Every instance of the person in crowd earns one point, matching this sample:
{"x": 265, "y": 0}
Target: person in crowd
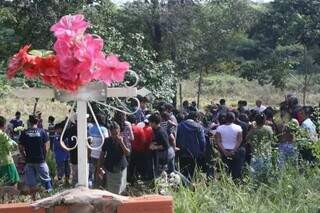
{"x": 259, "y": 107}
{"x": 229, "y": 138}
{"x": 170, "y": 127}
{"x": 185, "y": 107}
{"x": 141, "y": 112}
{"x": 40, "y": 121}
{"x": 148, "y": 135}
{"x": 51, "y": 130}
{"x": 96, "y": 141}
{"x": 160, "y": 146}
{"x": 287, "y": 153}
{"x": 137, "y": 156}
{"x": 71, "y": 141}
{"x": 113, "y": 158}
{"x": 8, "y": 172}
{"x": 13, "y": 124}
{"x": 222, "y": 107}
{"x": 61, "y": 155}
{"x": 270, "y": 120}
{"x": 34, "y": 144}
{"x": 169, "y": 109}
{"x": 193, "y": 107}
{"x": 260, "y": 138}
{"x": 307, "y": 124}
{"x": 191, "y": 142}
{"x": 125, "y": 128}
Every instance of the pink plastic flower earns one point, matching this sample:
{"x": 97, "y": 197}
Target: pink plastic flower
{"x": 70, "y": 25}
{"x": 111, "y": 69}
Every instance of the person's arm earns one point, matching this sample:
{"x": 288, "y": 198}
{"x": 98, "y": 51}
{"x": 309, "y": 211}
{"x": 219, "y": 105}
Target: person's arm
{"x": 172, "y": 140}
{"x": 239, "y": 141}
{"x": 219, "y": 143}
{"x": 202, "y": 140}
{"x": 125, "y": 149}
{"x": 101, "y": 159}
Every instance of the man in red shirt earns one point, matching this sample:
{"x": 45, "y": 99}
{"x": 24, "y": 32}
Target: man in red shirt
{"x": 137, "y": 165}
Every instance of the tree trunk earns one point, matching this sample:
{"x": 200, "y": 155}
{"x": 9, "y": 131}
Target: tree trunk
{"x": 199, "y": 87}
{"x": 180, "y": 95}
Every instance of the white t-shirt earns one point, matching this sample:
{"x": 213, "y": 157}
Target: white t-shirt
{"x": 96, "y": 139}
{"x": 260, "y": 109}
{"x": 229, "y": 135}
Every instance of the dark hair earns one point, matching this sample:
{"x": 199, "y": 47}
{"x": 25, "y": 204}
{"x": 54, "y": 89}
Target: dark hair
{"x": 51, "y": 118}
{"x": 132, "y": 119}
{"x": 260, "y": 119}
{"x": 33, "y": 120}
{"x": 185, "y": 103}
{"x": 165, "y": 116}
{"x": 120, "y": 118}
{"x": 169, "y": 107}
{"x": 193, "y": 115}
{"x": 101, "y": 119}
{"x": 59, "y": 125}
{"x": 222, "y": 118}
{"x": 268, "y": 113}
{"x": 155, "y": 118}
{"x": 222, "y": 101}
{"x": 244, "y": 118}
{"x": 2, "y": 121}
{"x": 180, "y": 117}
{"x": 114, "y": 125}
{"x": 230, "y": 117}
{"x": 18, "y": 113}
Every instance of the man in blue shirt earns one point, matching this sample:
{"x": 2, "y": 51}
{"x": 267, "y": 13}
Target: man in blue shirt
{"x": 34, "y": 144}
{"x": 191, "y": 142}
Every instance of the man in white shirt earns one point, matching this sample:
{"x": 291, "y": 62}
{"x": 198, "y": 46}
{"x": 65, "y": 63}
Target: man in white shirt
{"x": 259, "y": 107}
{"x": 229, "y": 138}
{"x": 308, "y": 125}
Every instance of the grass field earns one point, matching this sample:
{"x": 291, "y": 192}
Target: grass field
{"x": 232, "y": 88}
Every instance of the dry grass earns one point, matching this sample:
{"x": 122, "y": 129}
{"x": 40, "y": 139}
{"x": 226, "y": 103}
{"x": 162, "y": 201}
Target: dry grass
{"x": 9, "y": 105}
{"x": 233, "y": 89}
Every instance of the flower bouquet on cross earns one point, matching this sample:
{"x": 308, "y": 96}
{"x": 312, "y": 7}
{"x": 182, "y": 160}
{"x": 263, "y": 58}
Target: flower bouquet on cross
{"x": 77, "y": 58}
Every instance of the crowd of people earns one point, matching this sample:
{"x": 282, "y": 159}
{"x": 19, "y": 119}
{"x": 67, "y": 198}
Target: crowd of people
{"x": 158, "y": 138}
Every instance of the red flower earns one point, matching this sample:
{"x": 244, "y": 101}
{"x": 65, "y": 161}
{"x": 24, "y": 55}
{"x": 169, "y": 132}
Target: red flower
{"x": 18, "y": 61}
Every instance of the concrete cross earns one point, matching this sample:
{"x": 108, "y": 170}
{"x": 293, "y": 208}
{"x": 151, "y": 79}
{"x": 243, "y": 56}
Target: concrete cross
{"x": 94, "y": 91}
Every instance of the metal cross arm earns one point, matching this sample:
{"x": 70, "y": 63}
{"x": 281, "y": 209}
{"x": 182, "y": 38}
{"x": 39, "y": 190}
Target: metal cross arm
{"x": 92, "y": 92}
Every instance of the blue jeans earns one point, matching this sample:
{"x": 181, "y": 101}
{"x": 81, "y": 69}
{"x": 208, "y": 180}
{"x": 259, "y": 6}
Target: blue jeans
{"x": 63, "y": 169}
{"x": 260, "y": 167}
{"x": 36, "y": 171}
{"x": 287, "y": 154}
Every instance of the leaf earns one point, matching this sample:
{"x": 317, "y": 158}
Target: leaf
{"x": 41, "y": 53}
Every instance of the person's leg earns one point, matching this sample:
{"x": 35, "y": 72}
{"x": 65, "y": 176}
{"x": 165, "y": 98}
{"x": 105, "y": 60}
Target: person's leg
{"x": 123, "y": 183}
{"x": 74, "y": 168}
{"x": 60, "y": 169}
{"x": 187, "y": 166}
{"x": 132, "y": 168}
{"x": 237, "y": 164}
{"x": 44, "y": 175}
{"x": 66, "y": 171}
{"x": 30, "y": 178}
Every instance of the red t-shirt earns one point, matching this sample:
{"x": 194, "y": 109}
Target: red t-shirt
{"x": 139, "y": 142}
{"x": 148, "y": 134}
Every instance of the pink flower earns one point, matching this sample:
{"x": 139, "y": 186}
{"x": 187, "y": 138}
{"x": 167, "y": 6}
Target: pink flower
{"x": 70, "y": 25}
{"x": 111, "y": 69}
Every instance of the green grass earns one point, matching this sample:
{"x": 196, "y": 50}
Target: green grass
{"x": 290, "y": 191}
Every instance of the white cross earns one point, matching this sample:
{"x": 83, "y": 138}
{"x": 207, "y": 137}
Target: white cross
{"x": 94, "y": 91}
